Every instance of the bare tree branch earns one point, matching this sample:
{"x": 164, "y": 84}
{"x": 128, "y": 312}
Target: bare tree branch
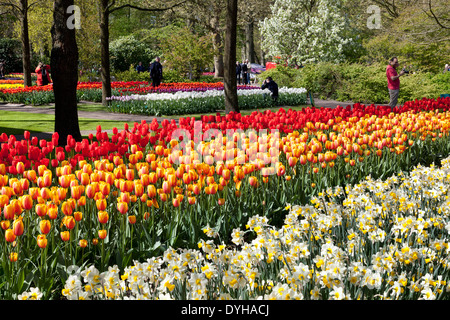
{"x": 434, "y": 16}
{"x": 143, "y": 8}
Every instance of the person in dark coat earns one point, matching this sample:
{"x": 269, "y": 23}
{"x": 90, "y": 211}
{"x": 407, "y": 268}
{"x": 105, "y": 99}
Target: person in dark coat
{"x": 244, "y": 72}
{"x": 272, "y": 86}
{"x": 156, "y": 73}
{"x": 238, "y": 72}
{"x": 140, "y": 68}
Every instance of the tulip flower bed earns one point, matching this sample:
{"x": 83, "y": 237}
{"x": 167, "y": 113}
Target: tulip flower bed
{"x": 110, "y": 201}
{"x": 201, "y": 101}
{"x": 41, "y": 95}
{"x": 91, "y": 91}
{"x": 388, "y": 240}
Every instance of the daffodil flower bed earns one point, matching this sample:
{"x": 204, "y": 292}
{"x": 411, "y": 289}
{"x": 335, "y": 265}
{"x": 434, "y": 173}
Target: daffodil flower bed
{"x": 387, "y": 240}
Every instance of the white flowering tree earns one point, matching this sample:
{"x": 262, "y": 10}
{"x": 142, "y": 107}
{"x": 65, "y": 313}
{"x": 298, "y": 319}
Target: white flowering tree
{"x": 305, "y": 31}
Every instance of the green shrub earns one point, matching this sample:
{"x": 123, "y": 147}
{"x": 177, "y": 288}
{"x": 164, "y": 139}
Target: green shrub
{"x": 283, "y": 76}
{"x": 127, "y": 51}
{"x": 131, "y": 75}
{"x": 358, "y": 82}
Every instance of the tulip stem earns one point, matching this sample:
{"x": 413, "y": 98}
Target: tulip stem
{"x": 103, "y": 256}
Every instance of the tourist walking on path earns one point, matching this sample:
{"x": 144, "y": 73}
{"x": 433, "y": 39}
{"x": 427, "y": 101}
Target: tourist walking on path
{"x": 43, "y": 74}
{"x": 393, "y": 81}
{"x": 156, "y": 72}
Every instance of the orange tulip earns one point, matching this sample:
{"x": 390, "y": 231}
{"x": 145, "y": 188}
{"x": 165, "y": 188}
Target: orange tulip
{"x": 75, "y": 192}
{"x": 163, "y": 197}
{"x": 18, "y": 226}
{"x": 78, "y": 215}
{"x": 41, "y": 241}
{"x": 66, "y": 208}
{"x": 175, "y": 202}
{"x": 13, "y": 256}
{"x": 105, "y": 188}
{"x": 124, "y": 197}
{"x": 253, "y": 181}
{"x": 8, "y": 212}
{"x": 45, "y": 226}
{"x": 4, "y": 200}
{"x": 138, "y": 189}
{"x": 27, "y": 202}
{"x": 9, "y": 235}
{"x": 101, "y": 204}
{"x": 52, "y": 211}
{"x": 5, "y": 224}
{"x": 151, "y": 191}
{"x": 65, "y": 235}
{"x": 90, "y": 191}
{"x": 166, "y": 187}
{"x": 122, "y": 207}
{"x": 69, "y": 222}
{"x": 15, "y": 203}
{"x": 132, "y": 219}
{"x": 83, "y": 243}
{"x": 82, "y": 201}
{"x": 103, "y": 217}
{"x": 102, "y": 234}
{"x": 129, "y": 174}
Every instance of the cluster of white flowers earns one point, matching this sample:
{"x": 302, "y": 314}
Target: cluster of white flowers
{"x": 33, "y": 294}
{"x": 310, "y": 35}
{"x": 376, "y": 240}
{"x": 202, "y": 94}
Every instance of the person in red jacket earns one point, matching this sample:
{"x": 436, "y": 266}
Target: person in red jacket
{"x": 43, "y": 74}
{"x": 393, "y": 81}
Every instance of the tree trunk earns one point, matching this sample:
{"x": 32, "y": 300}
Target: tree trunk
{"x": 218, "y": 57}
{"x": 249, "y": 42}
{"x": 263, "y": 54}
{"x": 230, "y": 83}
{"x": 25, "y": 39}
{"x": 104, "y": 43}
{"x": 64, "y": 67}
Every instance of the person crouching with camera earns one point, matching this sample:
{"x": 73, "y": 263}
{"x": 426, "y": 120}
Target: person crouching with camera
{"x": 272, "y": 86}
{"x": 43, "y": 74}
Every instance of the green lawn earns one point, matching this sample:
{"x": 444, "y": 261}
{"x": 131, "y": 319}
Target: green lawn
{"x": 18, "y": 122}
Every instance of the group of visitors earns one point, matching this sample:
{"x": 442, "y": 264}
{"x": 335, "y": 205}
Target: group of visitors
{"x": 155, "y": 70}
{"x": 243, "y": 72}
